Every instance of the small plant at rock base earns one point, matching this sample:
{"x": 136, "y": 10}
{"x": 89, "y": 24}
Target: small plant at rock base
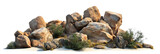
{"x": 132, "y": 38}
{"x": 56, "y": 30}
{"x": 11, "y": 45}
{"x": 75, "y": 44}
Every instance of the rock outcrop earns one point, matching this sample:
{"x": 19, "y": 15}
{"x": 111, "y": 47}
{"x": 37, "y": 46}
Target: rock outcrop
{"x": 77, "y": 32}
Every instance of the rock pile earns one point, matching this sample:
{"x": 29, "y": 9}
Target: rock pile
{"x": 91, "y": 26}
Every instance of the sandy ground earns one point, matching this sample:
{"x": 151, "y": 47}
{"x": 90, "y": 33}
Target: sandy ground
{"x": 63, "y": 50}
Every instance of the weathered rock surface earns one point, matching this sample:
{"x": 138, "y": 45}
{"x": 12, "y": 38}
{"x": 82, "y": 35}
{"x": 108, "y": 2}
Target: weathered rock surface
{"x": 18, "y": 33}
{"x": 80, "y": 24}
{"x": 70, "y": 28}
{"x": 73, "y": 17}
{"x": 37, "y": 23}
{"x": 93, "y": 13}
{"x": 111, "y": 45}
{"x": 56, "y": 22}
{"x": 147, "y": 46}
{"x": 100, "y": 47}
{"x": 22, "y": 41}
{"x": 81, "y": 36}
{"x": 97, "y": 31}
{"x": 49, "y": 45}
{"x": 41, "y": 34}
{"x": 28, "y": 30}
{"x": 58, "y": 42}
{"x": 35, "y": 43}
{"x": 114, "y": 20}
{"x": 120, "y": 42}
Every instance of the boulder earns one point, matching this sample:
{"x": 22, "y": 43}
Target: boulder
{"x": 70, "y": 28}
{"x": 100, "y": 47}
{"x": 35, "y": 43}
{"x": 147, "y": 46}
{"x": 81, "y": 36}
{"x": 80, "y": 24}
{"x": 58, "y": 42}
{"x": 111, "y": 45}
{"x": 120, "y": 42}
{"x": 41, "y": 34}
{"x": 56, "y": 22}
{"x": 93, "y": 13}
{"x": 49, "y": 45}
{"x": 114, "y": 20}
{"x": 22, "y": 41}
{"x": 72, "y": 18}
{"x": 28, "y": 30}
{"x": 37, "y": 23}
{"x": 98, "y": 31}
{"x": 18, "y": 33}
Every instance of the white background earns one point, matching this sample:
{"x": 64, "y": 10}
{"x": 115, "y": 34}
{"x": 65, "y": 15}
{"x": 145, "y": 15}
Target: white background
{"x": 142, "y": 15}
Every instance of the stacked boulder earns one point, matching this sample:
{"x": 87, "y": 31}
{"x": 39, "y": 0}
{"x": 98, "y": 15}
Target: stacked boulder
{"x": 91, "y": 26}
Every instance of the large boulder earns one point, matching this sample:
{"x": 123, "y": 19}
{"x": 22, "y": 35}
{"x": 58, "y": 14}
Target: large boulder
{"x": 41, "y": 34}
{"x": 98, "y": 31}
{"x": 80, "y": 24}
{"x": 22, "y": 41}
{"x": 37, "y": 23}
{"x": 114, "y": 20}
{"x": 93, "y": 13}
{"x": 72, "y": 18}
{"x": 70, "y": 28}
{"x": 81, "y": 36}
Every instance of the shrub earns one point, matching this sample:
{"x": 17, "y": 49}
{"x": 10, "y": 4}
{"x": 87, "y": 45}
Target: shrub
{"x": 56, "y": 30}
{"x": 132, "y": 38}
{"x": 11, "y": 45}
{"x": 75, "y": 44}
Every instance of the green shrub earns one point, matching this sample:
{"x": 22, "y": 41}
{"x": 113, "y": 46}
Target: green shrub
{"x": 56, "y": 30}
{"x": 75, "y": 44}
{"x": 132, "y": 38}
{"x": 11, "y": 45}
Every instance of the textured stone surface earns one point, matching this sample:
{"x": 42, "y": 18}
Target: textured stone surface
{"x": 114, "y": 20}
{"x": 37, "y": 23}
{"x": 80, "y": 24}
{"x": 95, "y": 31}
{"x": 93, "y": 13}
{"x": 70, "y": 28}
{"x": 42, "y": 34}
{"x": 22, "y": 41}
